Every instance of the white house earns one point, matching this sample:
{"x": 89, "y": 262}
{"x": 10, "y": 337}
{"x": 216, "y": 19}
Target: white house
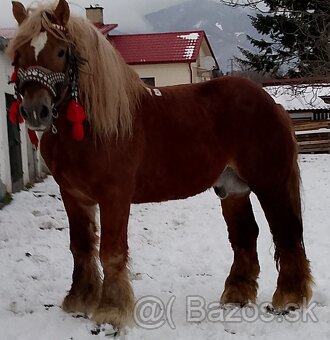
{"x": 19, "y": 162}
{"x": 169, "y": 58}
{"x": 162, "y": 59}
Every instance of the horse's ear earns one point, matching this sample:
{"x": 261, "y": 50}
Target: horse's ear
{"x": 62, "y": 12}
{"x": 19, "y": 12}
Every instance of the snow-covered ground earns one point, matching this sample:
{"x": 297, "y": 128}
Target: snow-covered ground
{"x": 180, "y": 259}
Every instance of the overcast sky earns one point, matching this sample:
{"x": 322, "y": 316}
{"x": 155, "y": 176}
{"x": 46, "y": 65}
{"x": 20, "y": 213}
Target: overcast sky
{"x": 127, "y": 13}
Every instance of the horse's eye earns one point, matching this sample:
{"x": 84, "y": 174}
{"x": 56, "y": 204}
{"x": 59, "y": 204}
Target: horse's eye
{"x": 61, "y": 53}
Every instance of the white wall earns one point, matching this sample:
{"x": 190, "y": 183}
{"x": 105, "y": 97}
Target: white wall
{"x": 4, "y": 149}
{"x": 165, "y": 74}
{"x": 5, "y": 72}
{"x": 200, "y": 73}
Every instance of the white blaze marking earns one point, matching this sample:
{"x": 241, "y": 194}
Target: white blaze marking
{"x": 39, "y": 43}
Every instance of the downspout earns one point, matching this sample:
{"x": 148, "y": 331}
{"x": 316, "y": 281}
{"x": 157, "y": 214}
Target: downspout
{"x": 191, "y": 73}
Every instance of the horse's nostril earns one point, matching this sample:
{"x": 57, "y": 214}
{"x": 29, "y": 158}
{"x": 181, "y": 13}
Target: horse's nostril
{"x": 44, "y": 112}
{"x": 23, "y": 112}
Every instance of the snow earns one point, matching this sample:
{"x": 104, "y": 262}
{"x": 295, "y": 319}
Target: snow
{"x": 192, "y": 41}
{"x": 323, "y": 130}
{"x": 178, "y": 249}
{"x": 199, "y": 24}
{"x": 192, "y": 36}
{"x": 219, "y": 26}
{"x": 238, "y": 34}
{"x": 300, "y": 97}
{"x": 189, "y": 52}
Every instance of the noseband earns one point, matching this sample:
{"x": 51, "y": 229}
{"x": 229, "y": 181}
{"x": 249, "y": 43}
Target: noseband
{"x": 45, "y": 78}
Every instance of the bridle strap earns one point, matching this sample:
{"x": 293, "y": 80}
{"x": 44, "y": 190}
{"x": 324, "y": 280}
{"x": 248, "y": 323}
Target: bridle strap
{"x": 71, "y": 79}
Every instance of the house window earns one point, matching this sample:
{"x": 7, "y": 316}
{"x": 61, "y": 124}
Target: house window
{"x": 149, "y": 81}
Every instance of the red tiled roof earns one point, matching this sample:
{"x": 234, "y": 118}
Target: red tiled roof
{"x": 159, "y": 47}
{"x": 7, "y": 33}
{"x": 105, "y": 28}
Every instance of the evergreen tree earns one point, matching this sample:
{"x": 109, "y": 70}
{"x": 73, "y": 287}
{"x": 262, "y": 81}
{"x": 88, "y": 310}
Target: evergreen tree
{"x": 296, "y": 42}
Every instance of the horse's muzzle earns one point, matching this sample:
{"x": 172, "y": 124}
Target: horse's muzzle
{"x": 39, "y": 88}
{"x": 37, "y": 114}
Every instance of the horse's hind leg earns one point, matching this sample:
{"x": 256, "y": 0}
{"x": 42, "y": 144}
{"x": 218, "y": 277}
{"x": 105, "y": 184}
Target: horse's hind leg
{"x": 85, "y": 291}
{"x": 241, "y": 284}
{"x": 281, "y": 204}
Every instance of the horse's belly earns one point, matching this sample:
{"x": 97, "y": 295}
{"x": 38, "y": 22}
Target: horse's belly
{"x": 177, "y": 180}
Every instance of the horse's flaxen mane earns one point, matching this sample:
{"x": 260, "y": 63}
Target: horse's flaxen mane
{"x": 109, "y": 89}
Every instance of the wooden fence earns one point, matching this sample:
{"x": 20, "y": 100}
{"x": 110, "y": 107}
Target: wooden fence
{"x": 313, "y": 136}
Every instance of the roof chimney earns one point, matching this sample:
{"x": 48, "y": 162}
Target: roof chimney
{"x": 95, "y": 14}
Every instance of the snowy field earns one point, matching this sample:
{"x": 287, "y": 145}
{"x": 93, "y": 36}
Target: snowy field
{"x": 180, "y": 257}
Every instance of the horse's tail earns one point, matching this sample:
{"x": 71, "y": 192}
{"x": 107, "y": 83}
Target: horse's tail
{"x": 293, "y": 181}
{"x": 294, "y": 178}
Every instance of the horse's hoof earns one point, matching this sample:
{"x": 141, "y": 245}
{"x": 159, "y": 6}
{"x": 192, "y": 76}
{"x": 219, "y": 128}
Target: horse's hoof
{"x": 117, "y": 317}
{"x": 272, "y": 310}
{"x": 75, "y": 304}
{"x": 239, "y": 295}
{"x": 289, "y": 301}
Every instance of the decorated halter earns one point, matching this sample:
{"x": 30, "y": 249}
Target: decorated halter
{"x": 48, "y": 79}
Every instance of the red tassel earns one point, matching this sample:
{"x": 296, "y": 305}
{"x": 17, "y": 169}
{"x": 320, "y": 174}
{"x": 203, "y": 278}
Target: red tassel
{"x": 78, "y": 132}
{"x": 14, "y": 77}
{"x": 76, "y": 115}
{"x": 33, "y": 138}
{"x": 14, "y": 116}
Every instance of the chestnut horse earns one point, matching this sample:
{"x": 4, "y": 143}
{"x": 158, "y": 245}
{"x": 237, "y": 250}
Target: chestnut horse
{"x": 142, "y": 144}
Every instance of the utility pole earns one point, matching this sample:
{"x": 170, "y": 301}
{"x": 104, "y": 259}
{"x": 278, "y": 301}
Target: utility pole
{"x": 231, "y": 65}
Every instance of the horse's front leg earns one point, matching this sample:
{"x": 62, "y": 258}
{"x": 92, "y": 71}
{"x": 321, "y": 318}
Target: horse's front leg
{"x": 117, "y": 300}
{"x": 85, "y": 291}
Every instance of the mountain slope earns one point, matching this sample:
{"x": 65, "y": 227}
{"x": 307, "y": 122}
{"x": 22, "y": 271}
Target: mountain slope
{"x": 226, "y": 27}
